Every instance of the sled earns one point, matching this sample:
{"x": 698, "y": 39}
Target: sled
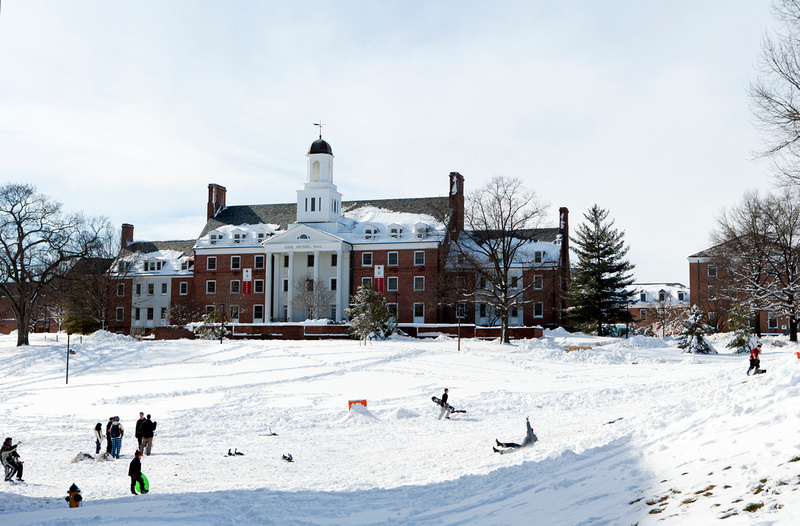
{"x": 438, "y": 401}
{"x": 139, "y": 489}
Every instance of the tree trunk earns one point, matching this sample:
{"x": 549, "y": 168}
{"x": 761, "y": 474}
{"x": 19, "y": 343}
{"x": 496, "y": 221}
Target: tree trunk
{"x": 23, "y": 323}
{"x": 793, "y": 329}
{"x": 504, "y": 328}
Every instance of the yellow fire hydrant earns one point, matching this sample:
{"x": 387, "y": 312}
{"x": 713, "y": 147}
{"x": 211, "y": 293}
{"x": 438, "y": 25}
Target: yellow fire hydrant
{"x": 74, "y": 498}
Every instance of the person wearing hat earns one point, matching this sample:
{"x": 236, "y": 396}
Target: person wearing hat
{"x": 135, "y": 472}
{"x": 116, "y": 432}
{"x": 755, "y": 361}
{"x": 8, "y": 457}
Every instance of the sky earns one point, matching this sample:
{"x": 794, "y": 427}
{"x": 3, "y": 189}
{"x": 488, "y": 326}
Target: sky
{"x": 129, "y": 110}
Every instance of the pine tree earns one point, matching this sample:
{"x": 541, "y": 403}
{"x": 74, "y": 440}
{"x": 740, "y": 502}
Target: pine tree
{"x": 739, "y": 324}
{"x": 212, "y": 327}
{"x": 692, "y": 338}
{"x": 369, "y": 315}
{"x": 597, "y": 292}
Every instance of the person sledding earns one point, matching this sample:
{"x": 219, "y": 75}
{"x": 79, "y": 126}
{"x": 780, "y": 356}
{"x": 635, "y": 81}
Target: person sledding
{"x": 135, "y": 473}
{"x": 508, "y": 447}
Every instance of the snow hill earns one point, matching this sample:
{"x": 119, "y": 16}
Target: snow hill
{"x": 630, "y": 431}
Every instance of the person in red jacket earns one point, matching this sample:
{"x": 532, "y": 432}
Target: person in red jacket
{"x": 755, "y": 362}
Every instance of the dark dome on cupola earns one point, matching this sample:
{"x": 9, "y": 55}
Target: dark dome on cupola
{"x": 320, "y": 146}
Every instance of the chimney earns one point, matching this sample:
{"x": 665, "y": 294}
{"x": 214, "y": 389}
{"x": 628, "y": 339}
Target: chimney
{"x": 456, "y": 201}
{"x": 216, "y": 199}
{"x": 563, "y": 230}
{"x": 127, "y": 236}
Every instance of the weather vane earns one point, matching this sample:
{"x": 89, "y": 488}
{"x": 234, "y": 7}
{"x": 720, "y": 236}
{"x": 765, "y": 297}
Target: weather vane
{"x": 320, "y": 124}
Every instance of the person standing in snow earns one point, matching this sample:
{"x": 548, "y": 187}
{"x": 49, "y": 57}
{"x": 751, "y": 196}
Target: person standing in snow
{"x": 530, "y": 438}
{"x": 445, "y": 412}
{"x": 108, "y": 434}
{"x": 8, "y": 457}
{"x": 138, "y": 432}
{"x": 98, "y": 437}
{"x": 116, "y": 432}
{"x": 148, "y": 430}
{"x": 135, "y": 472}
{"x": 755, "y": 362}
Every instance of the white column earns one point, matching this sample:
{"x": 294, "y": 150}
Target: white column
{"x": 339, "y": 284}
{"x": 290, "y": 294}
{"x": 268, "y": 284}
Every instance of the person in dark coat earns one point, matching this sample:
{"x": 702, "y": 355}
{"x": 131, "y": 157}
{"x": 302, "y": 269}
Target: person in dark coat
{"x": 98, "y": 437}
{"x": 446, "y": 408}
{"x": 108, "y": 434}
{"x": 135, "y": 473}
{"x": 148, "y": 430}
{"x": 10, "y": 459}
{"x": 138, "y": 433}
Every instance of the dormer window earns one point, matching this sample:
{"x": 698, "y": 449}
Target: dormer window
{"x": 237, "y": 238}
{"x": 213, "y": 238}
{"x": 681, "y": 295}
{"x": 303, "y": 236}
{"x": 395, "y": 231}
{"x": 261, "y": 236}
{"x": 643, "y": 296}
{"x": 662, "y": 296}
{"x": 421, "y": 230}
{"x": 370, "y": 232}
{"x": 154, "y": 265}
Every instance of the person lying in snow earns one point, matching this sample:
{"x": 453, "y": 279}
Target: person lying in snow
{"x": 530, "y": 438}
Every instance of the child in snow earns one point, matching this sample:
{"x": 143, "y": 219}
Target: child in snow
{"x": 530, "y": 438}
{"x": 135, "y": 472}
{"x": 10, "y": 459}
{"x": 755, "y": 362}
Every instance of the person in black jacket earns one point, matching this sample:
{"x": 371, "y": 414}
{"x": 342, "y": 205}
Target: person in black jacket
{"x": 138, "y": 433}
{"x": 446, "y": 408}
{"x": 148, "y": 430}
{"x": 135, "y": 473}
{"x": 108, "y": 434}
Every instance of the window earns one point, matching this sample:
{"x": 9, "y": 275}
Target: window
{"x": 164, "y": 313}
{"x": 150, "y": 313}
{"x": 419, "y": 257}
{"x": 310, "y": 260}
{"x": 772, "y": 322}
{"x": 333, "y": 284}
{"x": 235, "y": 286}
{"x": 712, "y": 270}
{"x": 309, "y": 285}
{"x": 138, "y": 289}
{"x": 183, "y": 288}
{"x": 261, "y": 236}
{"x": 642, "y": 296}
{"x": 258, "y": 286}
{"x": 393, "y": 257}
{"x": 233, "y": 313}
{"x": 211, "y": 263}
{"x": 237, "y": 238}
{"x": 681, "y": 295}
{"x": 369, "y": 233}
{"x": 120, "y": 313}
{"x": 514, "y": 312}
{"x": 163, "y": 288}
{"x": 419, "y": 282}
{"x": 334, "y": 259}
{"x": 482, "y": 310}
{"x": 392, "y": 309}
{"x": 124, "y": 266}
{"x": 210, "y": 309}
{"x": 712, "y": 292}
{"x": 236, "y": 262}
{"x": 285, "y": 285}
{"x": 213, "y": 238}
{"x": 514, "y": 282}
{"x": 185, "y": 264}
{"x": 366, "y": 259}
{"x": 333, "y": 311}
{"x": 120, "y": 289}
{"x": 461, "y": 310}
{"x": 366, "y": 281}
{"x": 481, "y": 282}
{"x": 151, "y": 288}
{"x": 259, "y": 262}
{"x": 211, "y": 287}
{"x": 538, "y": 256}
{"x": 642, "y": 314}
{"x": 538, "y": 310}
{"x": 391, "y": 283}
{"x": 137, "y": 314}
{"x": 395, "y": 231}
{"x": 662, "y": 296}
{"x": 258, "y": 313}
{"x": 152, "y": 266}
{"x": 285, "y": 261}
{"x": 419, "y": 312}
{"x": 538, "y": 282}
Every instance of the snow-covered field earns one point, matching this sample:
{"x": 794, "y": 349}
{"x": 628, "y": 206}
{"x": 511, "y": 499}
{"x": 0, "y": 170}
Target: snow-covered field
{"x": 631, "y": 431}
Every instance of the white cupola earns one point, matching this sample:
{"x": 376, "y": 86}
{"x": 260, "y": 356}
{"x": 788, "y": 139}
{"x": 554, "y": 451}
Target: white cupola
{"x": 319, "y": 201}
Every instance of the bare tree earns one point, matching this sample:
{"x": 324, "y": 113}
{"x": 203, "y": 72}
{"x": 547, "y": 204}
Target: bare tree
{"x": 498, "y": 219}
{"x": 667, "y": 312}
{"x": 312, "y": 297}
{"x": 38, "y": 244}
{"x": 775, "y": 96}
{"x": 760, "y": 242}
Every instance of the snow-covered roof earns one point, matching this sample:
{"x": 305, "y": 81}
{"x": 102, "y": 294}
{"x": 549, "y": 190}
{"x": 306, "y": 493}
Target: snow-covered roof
{"x": 675, "y": 292}
{"x": 244, "y": 234}
{"x": 371, "y": 224}
{"x": 155, "y": 258}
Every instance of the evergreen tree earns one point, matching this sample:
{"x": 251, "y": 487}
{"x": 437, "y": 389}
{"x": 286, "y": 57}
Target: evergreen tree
{"x": 369, "y": 315}
{"x": 692, "y": 338}
{"x": 739, "y": 324}
{"x": 597, "y": 292}
{"x": 212, "y": 327}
